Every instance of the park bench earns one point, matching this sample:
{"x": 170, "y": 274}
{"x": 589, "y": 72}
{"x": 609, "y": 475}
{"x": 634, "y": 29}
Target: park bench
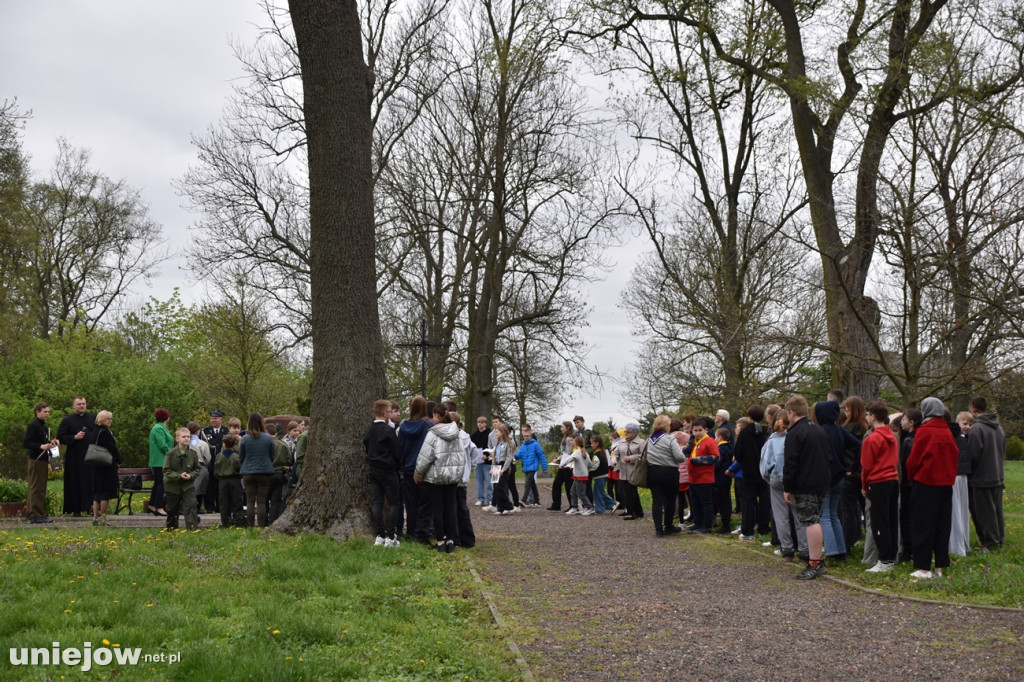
{"x": 145, "y": 473}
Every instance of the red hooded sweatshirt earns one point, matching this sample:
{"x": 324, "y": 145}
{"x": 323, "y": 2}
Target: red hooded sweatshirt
{"x": 879, "y": 457}
{"x": 933, "y": 459}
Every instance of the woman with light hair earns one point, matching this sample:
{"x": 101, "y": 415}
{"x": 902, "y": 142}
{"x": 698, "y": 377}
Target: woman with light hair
{"x": 104, "y": 478}
{"x": 663, "y": 458}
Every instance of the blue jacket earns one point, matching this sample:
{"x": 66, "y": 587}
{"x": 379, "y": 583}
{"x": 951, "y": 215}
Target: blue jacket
{"x": 532, "y": 455}
{"x": 410, "y": 436}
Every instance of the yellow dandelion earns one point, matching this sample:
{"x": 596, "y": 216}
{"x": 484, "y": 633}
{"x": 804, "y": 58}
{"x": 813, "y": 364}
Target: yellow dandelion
{"x": 287, "y": 658}
{"x": 149, "y": 606}
{"x": 116, "y": 645}
{"x": 277, "y": 632}
{"x": 300, "y": 660}
{"x": 106, "y": 642}
{"x": 67, "y": 610}
{"x": 116, "y": 602}
{"x": 72, "y": 601}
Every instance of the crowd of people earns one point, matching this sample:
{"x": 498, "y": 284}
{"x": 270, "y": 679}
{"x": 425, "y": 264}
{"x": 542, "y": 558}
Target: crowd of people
{"x": 195, "y": 469}
{"x": 813, "y": 480}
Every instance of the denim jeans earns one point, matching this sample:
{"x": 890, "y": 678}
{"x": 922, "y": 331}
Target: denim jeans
{"x": 484, "y": 487}
{"x": 602, "y": 500}
{"x": 832, "y": 523}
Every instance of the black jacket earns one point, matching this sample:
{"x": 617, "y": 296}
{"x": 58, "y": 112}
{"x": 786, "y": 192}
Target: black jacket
{"x": 748, "y": 450}
{"x": 382, "y": 448}
{"x": 807, "y": 452}
{"x": 35, "y": 435}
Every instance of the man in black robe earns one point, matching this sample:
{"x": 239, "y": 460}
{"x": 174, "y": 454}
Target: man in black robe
{"x": 75, "y": 432}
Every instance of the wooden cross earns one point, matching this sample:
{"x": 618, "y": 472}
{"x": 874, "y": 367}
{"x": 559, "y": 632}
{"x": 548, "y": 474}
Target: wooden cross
{"x": 423, "y": 345}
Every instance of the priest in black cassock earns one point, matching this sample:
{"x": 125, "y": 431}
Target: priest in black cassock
{"x": 75, "y": 431}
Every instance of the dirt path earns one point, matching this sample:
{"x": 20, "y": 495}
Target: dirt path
{"x": 599, "y": 598}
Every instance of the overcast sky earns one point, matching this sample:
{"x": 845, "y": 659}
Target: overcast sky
{"x": 132, "y": 81}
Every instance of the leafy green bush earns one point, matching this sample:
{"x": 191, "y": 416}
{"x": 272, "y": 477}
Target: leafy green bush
{"x": 13, "y": 490}
{"x": 1014, "y": 449}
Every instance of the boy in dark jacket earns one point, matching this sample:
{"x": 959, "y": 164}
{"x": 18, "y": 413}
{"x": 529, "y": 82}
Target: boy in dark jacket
{"x": 723, "y": 482}
{"x": 805, "y": 479}
{"x": 755, "y": 495}
{"x": 226, "y": 468}
{"x": 384, "y": 458}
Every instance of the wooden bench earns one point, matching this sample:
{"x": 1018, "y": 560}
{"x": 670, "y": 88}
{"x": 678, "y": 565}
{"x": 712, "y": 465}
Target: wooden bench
{"x": 147, "y": 475}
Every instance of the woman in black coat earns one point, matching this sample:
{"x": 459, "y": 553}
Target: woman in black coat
{"x": 104, "y": 478}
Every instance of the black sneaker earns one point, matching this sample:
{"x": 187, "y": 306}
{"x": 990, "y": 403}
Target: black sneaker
{"x": 812, "y": 572}
{"x": 40, "y": 519}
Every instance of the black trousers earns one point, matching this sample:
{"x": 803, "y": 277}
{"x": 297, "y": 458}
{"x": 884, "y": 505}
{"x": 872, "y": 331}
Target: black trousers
{"x": 755, "y": 506}
{"x": 722, "y": 499}
{"x": 702, "y": 508}
{"x": 384, "y": 487}
{"x": 884, "y": 498}
{"x": 563, "y": 479}
{"x": 211, "y": 500}
{"x": 500, "y": 496}
{"x": 156, "y": 496}
{"x": 633, "y": 504}
{"x": 664, "y": 484}
{"x": 513, "y": 489}
{"x": 275, "y": 497}
{"x": 851, "y": 510}
{"x": 931, "y": 519}
{"x": 418, "y": 516}
{"x": 905, "y": 503}
{"x": 444, "y": 510}
{"x": 230, "y": 502}
{"x": 466, "y": 537}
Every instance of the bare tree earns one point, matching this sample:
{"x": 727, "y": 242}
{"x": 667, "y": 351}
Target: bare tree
{"x": 953, "y": 221}
{"x": 714, "y": 297}
{"x": 249, "y": 183}
{"x": 846, "y": 72}
{"x": 89, "y": 239}
{"x": 348, "y": 364}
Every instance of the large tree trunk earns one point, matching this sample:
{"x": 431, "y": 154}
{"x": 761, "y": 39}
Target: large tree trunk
{"x": 348, "y": 366}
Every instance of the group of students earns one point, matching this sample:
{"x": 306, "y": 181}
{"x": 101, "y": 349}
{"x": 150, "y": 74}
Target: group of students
{"x": 255, "y": 471}
{"x": 812, "y": 480}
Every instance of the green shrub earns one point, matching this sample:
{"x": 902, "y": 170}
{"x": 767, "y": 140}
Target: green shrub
{"x": 1014, "y": 449}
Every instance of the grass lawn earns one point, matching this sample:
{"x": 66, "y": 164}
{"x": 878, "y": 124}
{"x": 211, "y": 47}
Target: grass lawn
{"x": 236, "y": 605}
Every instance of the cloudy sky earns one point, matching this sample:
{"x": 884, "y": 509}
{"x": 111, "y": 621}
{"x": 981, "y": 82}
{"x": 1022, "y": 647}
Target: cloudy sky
{"x": 132, "y": 81}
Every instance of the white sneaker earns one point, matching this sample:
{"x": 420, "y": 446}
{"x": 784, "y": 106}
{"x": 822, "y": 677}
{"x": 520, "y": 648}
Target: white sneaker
{"x": 922, "y": 575}
{"x": 737, "y": 531}
{"x": 880, "y": 567}
{"x": 514, "y": 510}
{"x": 616, "y": 506}
{"x": 392, "y": 542}
{"x": 686, "y": 516}
{"x": 572, "y": 511}
{"x": 766, "y": 544}
{"x": 478, "y": 504}
{"x": 490, "y": 508}
{"x": 378, "y": 542}
{"x": 587, "y": 512}
{"x": 777, "y": 552}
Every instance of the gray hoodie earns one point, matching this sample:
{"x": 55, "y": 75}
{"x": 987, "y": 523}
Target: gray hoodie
{"x": 986, "y": 446}
{"x": 442, "y": 459}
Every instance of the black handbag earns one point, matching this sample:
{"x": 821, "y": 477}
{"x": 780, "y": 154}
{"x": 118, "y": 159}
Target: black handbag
{"x": 97, "y": 455}
{"x": 131, "y": 482}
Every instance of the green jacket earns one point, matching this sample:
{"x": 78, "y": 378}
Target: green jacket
{"x": 175, "y": 465}
{"x": 160, "y": 441}
{"x": 300, "y": 453}
{"x": 282, "y": 456}
{"x": 227, "y": 465}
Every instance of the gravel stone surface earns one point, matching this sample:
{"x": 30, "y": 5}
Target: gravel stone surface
{"x": 600, "y": 598}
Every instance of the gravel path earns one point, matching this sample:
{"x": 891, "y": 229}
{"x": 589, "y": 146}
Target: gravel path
{"x": 599, "y": 598}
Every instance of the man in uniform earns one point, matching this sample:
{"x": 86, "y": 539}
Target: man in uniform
{"x": 75, "y": 432}
{"x": 213, "y": 435}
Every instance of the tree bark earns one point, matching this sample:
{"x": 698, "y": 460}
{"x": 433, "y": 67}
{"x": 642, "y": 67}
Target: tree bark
{"x": 348, "y": 367}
